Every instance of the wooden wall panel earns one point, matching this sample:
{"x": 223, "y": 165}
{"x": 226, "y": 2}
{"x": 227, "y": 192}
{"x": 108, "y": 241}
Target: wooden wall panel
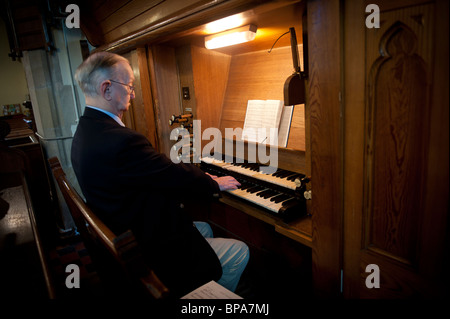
{"x": 150, "y": 13}
{"x": 146, "y": 118}
{"x": 260, "y": 76}
{"x": 25, "y": 26}
{"x": 399, "y": 60}
{"x": 396, "y": 151}
{"x": 165, "y": 92}
{"x": 117, "y": 17}
{"x": 109, "y": 21}
{"x": 141, "y": 116}
{"x": 129, "y": 117}
{"x": 186, "y": 75}
{"x": 354, "y": 140}
{"x": 435, "y": 261}
{"x": 211, "y": 71}
{"x": 205, "y": 73}
{"x": 324, "y": 41}
{"x": 398, "y": 127}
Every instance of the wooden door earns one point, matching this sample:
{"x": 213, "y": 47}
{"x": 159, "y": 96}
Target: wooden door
{"x": 396, "y": 150}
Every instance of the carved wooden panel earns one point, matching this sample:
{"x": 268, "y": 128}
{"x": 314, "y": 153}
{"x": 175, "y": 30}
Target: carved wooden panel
{"x": 396, "y": 150}
{"x": 397, "y": 125}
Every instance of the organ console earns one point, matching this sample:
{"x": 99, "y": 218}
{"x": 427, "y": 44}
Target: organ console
{"x": 280, "y": 193}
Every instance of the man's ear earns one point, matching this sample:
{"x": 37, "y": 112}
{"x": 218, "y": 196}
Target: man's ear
{"x": 105, "y": 90}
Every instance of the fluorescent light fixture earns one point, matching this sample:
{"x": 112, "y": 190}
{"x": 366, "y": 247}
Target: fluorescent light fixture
{"x": 231, "y": 37}
{"x": 230, "y": 22}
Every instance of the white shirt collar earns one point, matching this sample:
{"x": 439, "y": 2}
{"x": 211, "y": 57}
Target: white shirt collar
{"x": 113, "y": 116}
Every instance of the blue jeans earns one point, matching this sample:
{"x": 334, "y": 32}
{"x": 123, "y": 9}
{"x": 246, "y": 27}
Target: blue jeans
{"x": 233, "y": 255}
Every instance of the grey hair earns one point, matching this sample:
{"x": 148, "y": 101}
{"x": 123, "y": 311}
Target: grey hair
{"x": 96, "y": 68}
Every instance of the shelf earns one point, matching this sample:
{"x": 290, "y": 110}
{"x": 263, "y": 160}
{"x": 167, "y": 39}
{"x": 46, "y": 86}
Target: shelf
{"x": 299, "y": 230}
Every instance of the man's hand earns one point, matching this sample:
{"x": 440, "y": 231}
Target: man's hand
{"x": 226, "y": 182}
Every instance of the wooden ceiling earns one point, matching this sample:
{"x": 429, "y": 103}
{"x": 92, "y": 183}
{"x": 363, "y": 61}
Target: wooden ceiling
{"x": 271, "y": 24}
{"x": 119, "y": 25}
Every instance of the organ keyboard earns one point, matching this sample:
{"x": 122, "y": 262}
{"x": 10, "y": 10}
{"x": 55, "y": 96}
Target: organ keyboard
{"x": 280, "y": 193}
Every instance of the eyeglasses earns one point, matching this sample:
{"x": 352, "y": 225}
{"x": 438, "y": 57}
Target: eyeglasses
{"x": 130, "y": 86}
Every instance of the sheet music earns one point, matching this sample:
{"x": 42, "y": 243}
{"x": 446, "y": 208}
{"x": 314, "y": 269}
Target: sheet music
{"x": 285, "y": 125}
{"x": 261, "y": 116}
{"x": 211, "y": 290}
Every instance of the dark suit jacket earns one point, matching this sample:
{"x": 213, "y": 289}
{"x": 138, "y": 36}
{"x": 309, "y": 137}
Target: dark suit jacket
{"x": 132, "y": 186}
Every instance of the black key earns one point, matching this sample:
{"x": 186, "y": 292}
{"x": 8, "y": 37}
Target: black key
{"x": 271, "y": 193}
{"x": 285, "y": 174}
{"x": 254, "y": 189}
{"x": 279, "y": 198}
{"x": 282, "y": 198}
{"x": 246, "y": 185}
{"x": 290, "y": 201}
{"x": 263, "y": 193}
{"x": 278, "y": 172}
{"x": 293, "y": 177}
{"x": 289, "y": 205}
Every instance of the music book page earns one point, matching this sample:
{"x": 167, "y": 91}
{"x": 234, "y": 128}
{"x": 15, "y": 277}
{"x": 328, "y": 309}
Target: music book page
{"x": 262, "y": 120}
{"x": 211, "y": 290}
{"x": 285, "y": 125}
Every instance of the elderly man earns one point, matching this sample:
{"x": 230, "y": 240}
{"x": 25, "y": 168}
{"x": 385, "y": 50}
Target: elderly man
{"x": 131, "y": 186}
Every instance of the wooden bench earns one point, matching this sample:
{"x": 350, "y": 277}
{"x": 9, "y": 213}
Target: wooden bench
{"x": 24, "y": 270}
{"x": 127, "y": 265}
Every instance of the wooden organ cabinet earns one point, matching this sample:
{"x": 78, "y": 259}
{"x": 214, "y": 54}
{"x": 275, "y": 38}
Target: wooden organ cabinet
{"x": 373, "y": 135}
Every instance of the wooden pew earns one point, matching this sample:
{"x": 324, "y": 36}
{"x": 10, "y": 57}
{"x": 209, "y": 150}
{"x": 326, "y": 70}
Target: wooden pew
{"x": 21, "y": 246}
{"x": 126, "y": 267}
